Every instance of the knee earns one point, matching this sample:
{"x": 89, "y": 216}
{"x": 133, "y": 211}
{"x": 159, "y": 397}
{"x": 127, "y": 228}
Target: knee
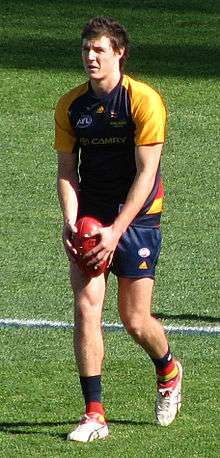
{"x": 135, "y": 324}
{"x": 87, "y": 313}
{"x": 81, "y": 312}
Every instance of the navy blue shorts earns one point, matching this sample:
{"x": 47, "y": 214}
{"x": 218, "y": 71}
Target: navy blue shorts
{"x": 137, "y": 252}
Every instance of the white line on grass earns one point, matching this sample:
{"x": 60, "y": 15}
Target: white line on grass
{"x": 189, "y": 330}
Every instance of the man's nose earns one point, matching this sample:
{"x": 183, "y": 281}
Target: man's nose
{"x": 91, "y": 54}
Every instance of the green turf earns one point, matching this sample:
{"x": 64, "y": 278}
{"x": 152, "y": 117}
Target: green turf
{"x": 41, "y": 402}
{"x": 174, "y": 47}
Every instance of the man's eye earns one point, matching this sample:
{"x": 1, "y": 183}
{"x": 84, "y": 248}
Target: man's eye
{"x": 96, "y": 50}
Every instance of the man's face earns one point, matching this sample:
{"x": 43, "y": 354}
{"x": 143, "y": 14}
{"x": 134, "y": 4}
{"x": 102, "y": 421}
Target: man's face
{"x": 99, "y": 58}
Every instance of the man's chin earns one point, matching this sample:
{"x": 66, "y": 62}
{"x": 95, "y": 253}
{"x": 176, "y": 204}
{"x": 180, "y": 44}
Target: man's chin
{"x": 94, "y": 74}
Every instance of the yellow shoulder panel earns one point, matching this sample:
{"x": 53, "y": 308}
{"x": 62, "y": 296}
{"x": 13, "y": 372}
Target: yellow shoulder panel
{"x": 148, "y": 112}
{"x": 65, "y": 139}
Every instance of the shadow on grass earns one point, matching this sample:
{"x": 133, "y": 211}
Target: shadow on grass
{"x": 188, "y": 316}
{"x": 17, "y": 428}
{"x": 180, "y": 52}
{"x": 152, "y": 59}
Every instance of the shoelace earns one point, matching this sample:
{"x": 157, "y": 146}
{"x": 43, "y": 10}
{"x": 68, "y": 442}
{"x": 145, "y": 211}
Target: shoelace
{"x": 86, "y": 418}
{"x": 166, "y": 388}
{"x": 165, "y": 392}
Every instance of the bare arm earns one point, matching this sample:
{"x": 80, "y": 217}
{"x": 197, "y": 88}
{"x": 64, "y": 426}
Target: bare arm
{"x": 147, "y": 162}
{"x": 67, "y": 185}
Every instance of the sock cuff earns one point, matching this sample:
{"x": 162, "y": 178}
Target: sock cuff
{"x": 161, "y": 363}
{"x": 91, "y": 388}
{"x": 95, "y": 407}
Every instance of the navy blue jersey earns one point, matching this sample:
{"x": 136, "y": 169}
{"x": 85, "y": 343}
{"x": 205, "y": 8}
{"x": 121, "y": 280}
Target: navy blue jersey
{"x": 103, "y": 132}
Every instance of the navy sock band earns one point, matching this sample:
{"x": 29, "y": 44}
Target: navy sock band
{"x": 161, "y": 363}
{"x": 91, "y": 388}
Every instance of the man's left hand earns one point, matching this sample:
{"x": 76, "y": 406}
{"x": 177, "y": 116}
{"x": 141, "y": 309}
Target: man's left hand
{"x": 104, "y": 251}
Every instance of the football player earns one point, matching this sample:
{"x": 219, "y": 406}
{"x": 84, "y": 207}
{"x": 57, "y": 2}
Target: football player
{"x": 109, "y": 137}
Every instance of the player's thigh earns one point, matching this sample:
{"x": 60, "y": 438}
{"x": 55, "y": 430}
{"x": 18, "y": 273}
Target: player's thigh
{"x": 87, "y": 291}
{"x": 135, "y": 297}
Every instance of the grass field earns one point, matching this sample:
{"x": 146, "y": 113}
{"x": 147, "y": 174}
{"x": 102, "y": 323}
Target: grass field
{"x": 174, "y": 47}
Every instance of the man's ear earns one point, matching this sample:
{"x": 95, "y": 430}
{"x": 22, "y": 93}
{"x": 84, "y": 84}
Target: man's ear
{"x": 121, "y": 52}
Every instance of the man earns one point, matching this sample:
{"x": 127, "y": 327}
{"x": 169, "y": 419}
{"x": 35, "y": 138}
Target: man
{"x": 109, "y": 137}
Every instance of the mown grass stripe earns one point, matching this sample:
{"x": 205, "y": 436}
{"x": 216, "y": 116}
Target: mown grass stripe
{"x": 187, "y": 330}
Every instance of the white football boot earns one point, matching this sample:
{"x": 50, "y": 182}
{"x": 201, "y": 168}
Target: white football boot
{"x": 168, "y": 402}
{"x": 92, "y": 426}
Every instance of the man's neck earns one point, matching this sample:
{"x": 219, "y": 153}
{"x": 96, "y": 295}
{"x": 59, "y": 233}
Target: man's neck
{"x": 105, "y": 86}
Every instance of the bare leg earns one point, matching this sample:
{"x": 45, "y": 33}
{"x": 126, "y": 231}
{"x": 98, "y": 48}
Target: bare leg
{"x": 135, "y": 296}
{"x": 88, "y": 339}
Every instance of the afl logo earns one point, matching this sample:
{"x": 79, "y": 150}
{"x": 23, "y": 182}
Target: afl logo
{"x": 84, "y": 121}
{"x": 144, "y": 252}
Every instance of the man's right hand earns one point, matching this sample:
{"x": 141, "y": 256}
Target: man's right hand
{"x": 69, "y": 232}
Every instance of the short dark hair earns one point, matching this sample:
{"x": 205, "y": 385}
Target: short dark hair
{"x": 106, "y": 25}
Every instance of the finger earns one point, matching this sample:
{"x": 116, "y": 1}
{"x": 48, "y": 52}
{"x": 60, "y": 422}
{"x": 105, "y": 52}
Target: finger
{"x": 71, "y": 254}
{"x": 107, "y": 259}
{"x": 92, "y": 233}
{"x": 72, "y": 234}
{"x": 110, "y": 260}
{"x": 70, "y": 230}
{"x": 73, "y": 251}
{"x": 98, "y": 259}
{"x": 94, "y": 251}
{"x": 68, "y": 245}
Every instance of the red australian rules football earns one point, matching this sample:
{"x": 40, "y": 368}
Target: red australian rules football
{"x": 83, "y": 245}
